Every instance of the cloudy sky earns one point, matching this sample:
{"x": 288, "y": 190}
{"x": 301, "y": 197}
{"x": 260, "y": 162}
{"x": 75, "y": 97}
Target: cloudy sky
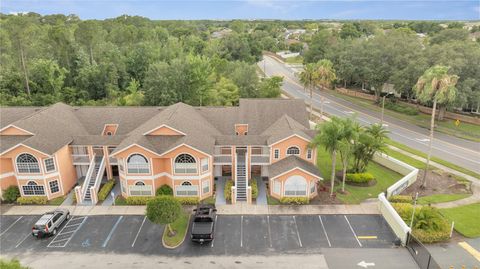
{"x": 254, "y": 9}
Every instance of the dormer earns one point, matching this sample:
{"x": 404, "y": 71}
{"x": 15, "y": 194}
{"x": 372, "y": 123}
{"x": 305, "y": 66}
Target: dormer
{"x": 241, "y": 129}
{"x": 109, "y": 129}
{"x": 14, "y": 130}
{"x": 164, "y": 130}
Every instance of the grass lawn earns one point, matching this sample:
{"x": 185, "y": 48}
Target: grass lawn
{"x": 404, "y": 158}
{"x": 466, "y": 218}
{"x": 181, "y": 227}
{"x": 441, "y": 198}
{"x": 294, "y": 60}
{"x": 384, "y": 176}
{"x": 56, "y": 201}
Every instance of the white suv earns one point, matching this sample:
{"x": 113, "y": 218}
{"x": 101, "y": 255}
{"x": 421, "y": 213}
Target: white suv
{"x": 50, "y": 222}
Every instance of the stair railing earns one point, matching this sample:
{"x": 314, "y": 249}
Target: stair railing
{"x": 91, "y": 168}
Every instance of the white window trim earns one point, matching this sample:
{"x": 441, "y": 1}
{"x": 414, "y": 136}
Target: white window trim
{"x": 148, "y": 164}
{"x": 306, "y": 188}
{"x": 23, "y": 193}
{"x": 46, "y": 166}
{"x": 207, "y": 164}
{"x": 185, "y": 173}
{"x": 28, "y": 173}
{"x": 293, "y": 146}
{"x": 276, "y": 154}
{"x": 50, "y": 187}
{"x": 309, "y": 154}
{"x": 275, "y": 184}
{"x": 205, "y": 184}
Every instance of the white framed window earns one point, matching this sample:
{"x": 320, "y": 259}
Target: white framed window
{"x": 206, "y": 186}
{"x": 276, "y": 187}
{"x": 54, "y": 188}
{"x": 295, "y": 186}
{"x": 27, "y": 163}
{"x": 137, "y": 164}
{"x": 204, "y": 163}
{"x": 186, "y": 189}
{"x": 309, "y": 154}
{"x": 49, "y": 165}
{"x": 312, "y": 187}
{"x": 185, "y": 164}
{"x": 140, "y": 189}
{"x": 33, "y": 189}
{"x": 276, "y": 153}
{"x": 293, "y": 151}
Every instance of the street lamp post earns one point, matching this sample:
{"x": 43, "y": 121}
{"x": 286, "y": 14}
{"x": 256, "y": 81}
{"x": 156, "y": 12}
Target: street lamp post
{"x": 413, "y": 211}
{"x": 383, "y": 109}
{"x": 322, "y": 100}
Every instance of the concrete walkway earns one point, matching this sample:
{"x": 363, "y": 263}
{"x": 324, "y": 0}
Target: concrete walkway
{"x": 116, "y": 190}
{"x": 219, "y": 188}
{"x": 237, "y": 209}
{"x": 262, "y": 192}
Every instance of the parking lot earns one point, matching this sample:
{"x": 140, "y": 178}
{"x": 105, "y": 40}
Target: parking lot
{"x": 234, "y": 235}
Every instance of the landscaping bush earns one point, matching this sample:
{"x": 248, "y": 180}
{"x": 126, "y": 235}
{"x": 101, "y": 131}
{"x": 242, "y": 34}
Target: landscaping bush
{"x": 188, "y": 200}
{"x": 11, "y": 194}
{"x": 295, "y": 200}
{"x": 227, "y": 192}
{"x": 253, "y": 185}
{"x": 164, "y": 190}
{"x": 360, "y": 179}
{"x": 404, "y": 109}
{"x": 401, "y": 199}
{"x": 138, "y": 200}
{"x": 32, "y": 200}
{"x": 105, "y": 190}
{"x": 11, "y": 264}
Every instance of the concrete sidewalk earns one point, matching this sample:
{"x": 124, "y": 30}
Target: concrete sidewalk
{"x": 238, "y": 209}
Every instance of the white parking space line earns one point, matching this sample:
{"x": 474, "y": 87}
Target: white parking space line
{"x": 269, "y": 233}
{"x": 112, "y": 231}
{"x": 11, "y": 225}
{"x": 241, "y": 232}
{"x": 136, "y": 236}
{"x": 354, "y": 234}
{"x": 298, "y": 234}
{"x": 57, "y": 240}
{"x": 213, "y": 240}
{"x": 19, "y": 243}
{"x": 324, "y": 231}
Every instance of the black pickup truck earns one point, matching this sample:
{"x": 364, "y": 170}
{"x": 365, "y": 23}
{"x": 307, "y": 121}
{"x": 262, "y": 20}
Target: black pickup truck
{"x": 203, "y": 223}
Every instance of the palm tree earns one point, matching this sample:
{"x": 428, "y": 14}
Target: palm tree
{"x": 438, "y": 86}
{"x": 325, "y": 77}
{"x": 350, "y": 135}
{"x": 329, "y": 136}
{"x": 309, "y": 78}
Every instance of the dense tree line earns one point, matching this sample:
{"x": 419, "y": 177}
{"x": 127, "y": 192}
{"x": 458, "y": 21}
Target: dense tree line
{"x": 131, "y": 61}
{"x": 368, "y": 57}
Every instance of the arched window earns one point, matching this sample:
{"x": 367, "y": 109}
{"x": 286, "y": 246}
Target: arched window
{"x": 186, "y": 189}
{"x": 185, "y": 164}
{"x": 293, "y": 151}
{"x": 33, "y": 189}
{"x": 137, "y": 164}
{"x": 139, "y": 183}
{"x": 27, "y": 163}
{"x": 296, "y": 186}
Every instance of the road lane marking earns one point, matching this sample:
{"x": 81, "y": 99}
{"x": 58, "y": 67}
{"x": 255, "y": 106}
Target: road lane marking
{"x": 136, "y": 236}
{"x": 354, "y": 234}
{"x": 50, "y": 245}
{"x": 298, "y": 234}
{"x": 367, "y": 237}
{"x": 213, "y": 240}
{"x": 11, "y": 225}
{"x": 241, "y": 231}
{"x": 269, "y": 234}
{"x": 29, "y": 234}
{"x": 324, "y": 231}
{"x": 475, "y": 253}
{"x": 111, "y": 232}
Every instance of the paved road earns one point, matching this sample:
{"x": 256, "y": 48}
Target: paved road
{"x": 234, "y": 236}
{"x": 459, "y": 151}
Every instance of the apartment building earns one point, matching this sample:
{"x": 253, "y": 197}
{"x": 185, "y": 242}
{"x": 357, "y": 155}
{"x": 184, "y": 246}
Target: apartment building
{"x": 50, "y": 151}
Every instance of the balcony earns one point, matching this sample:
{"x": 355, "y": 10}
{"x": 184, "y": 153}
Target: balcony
{"x": 260, "y": 159}
{"x": 79, "y": 159}
{"x": 222, "y": 159}
{"x": 112, "y": 161}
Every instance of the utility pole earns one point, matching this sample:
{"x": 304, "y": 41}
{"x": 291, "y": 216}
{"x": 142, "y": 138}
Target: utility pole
{"x": 322, "y": 99}
{"x": 383, "y": 109}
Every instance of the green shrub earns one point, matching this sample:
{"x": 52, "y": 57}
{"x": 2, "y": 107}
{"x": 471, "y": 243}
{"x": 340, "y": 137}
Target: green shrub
{"x": 164, "y": 190}
{"x": 32, "y": 200}
{"x": 227, "y": 192}
{"x": 253, "y": 185}
{"x": 138, "y": 200}
{"x": 359, "y": 177}
{"x": 11, "y": 264}
{"x": 188, "y": 200}
{"x": 295, "y": 200}
{"x": 105, "y": 190}
{"x": 401, "y": 199}
{"x": 404, "y": 109}
{"x": 11, "y": 194}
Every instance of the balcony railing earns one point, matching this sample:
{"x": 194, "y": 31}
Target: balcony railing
{"x": 80, "y": 159}
{"x": 112, "y": 161}
{"x": 260, "y": 159}
{"x": 222, "y": 159}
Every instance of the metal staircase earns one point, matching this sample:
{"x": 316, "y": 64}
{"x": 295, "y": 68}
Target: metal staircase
{"x": 93, "y": 178}
{"x": 241, "y": 178}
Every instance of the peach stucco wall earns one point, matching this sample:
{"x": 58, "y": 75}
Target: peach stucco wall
{"x": 66, "y": 170}
{"x": 164, "y": 130}
{"x": 13, "y": 131}
{"x": 296, "y": 172}
{"x": 112, "y": 128}
{"x": 12, "y": 154}
{"x": 301, "y": 143}
{"x": 241, "y": 129}
{"x": 6, "y": 165}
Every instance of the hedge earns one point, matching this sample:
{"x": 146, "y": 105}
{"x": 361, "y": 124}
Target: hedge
{"x": 164, "y": 190}
{"x": 253, "y": 185}
{"x": 105, "y": 190}
{"x": 227, "y": 192}
{"x": 401, "y": 199}
{"x": 11, "y": 194}
{"x": 359, "y": 177}
{"x": 32, "y": 200}
{"x": 295, "y": 200}
{"x": 188, "y": 200}
{"x": 138, "y": 200}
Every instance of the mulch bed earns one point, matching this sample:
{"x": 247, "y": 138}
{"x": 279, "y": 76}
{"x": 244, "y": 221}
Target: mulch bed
{"x": 438, "y": 182}
{"x": 324, "y": 198}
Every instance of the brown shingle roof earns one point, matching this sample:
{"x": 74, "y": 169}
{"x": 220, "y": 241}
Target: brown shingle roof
{"x": 290, "y": 163}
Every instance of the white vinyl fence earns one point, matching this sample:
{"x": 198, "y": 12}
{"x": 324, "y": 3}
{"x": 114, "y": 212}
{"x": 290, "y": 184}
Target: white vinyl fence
{"x": 397, "y": 224}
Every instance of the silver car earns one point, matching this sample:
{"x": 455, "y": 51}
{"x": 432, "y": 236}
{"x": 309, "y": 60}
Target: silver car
{"x": 50, "y": 222}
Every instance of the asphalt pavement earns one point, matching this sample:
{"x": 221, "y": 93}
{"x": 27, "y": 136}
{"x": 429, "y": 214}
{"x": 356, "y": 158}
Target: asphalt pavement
{"x": 458, "y": 151}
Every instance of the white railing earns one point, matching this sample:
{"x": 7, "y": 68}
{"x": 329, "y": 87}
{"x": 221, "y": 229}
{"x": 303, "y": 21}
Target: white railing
{"x": 91, "y": 168}
{"x": 141, "y": 190}
{"x": 399, "y": 227}
{"x": 222, "y": 159}
{"x": 80, "y": 158}
{"x": 185, "y": 168}
{"x": 187, "y": 190}
{"x": 260, "y": 159}
{"x": 98, "y": 178}
{"x": 138, "y": 168}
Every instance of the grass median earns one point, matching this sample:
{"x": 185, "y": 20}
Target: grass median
{"x": 442, "y": 198}
{"x": 466, "y": 219}
{"x": 180, "y": 226}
